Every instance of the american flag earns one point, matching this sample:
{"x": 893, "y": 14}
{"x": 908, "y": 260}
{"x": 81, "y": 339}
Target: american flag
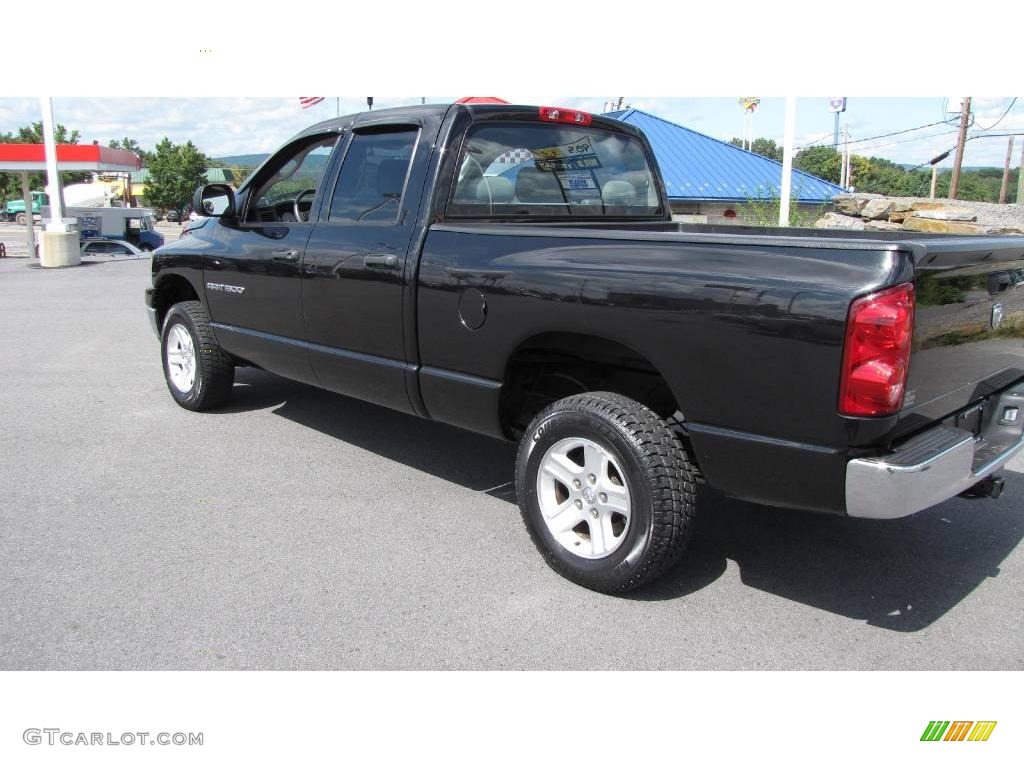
{"x": 309, "y": 101}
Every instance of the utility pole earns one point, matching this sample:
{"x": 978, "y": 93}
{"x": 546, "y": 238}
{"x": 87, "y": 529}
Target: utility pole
{"x": 1006, "y": 173}
{"x": 787, "y": 161}
{"x": 935, "y": 169}
{"x": 965, "y": 116}
{"x": 842, "y": 161}
{"x": 1020, "y": 177}
{"x": 845, "y": 173}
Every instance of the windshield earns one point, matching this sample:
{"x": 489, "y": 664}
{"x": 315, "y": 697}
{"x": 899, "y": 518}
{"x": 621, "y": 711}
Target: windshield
{"x": 520, "y": 169}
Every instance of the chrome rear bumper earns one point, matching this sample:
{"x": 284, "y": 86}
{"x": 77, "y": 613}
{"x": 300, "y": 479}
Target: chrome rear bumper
{"x": 925, "y": 471}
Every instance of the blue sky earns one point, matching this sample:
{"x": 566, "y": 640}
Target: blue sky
{"x": 230, "y": 126}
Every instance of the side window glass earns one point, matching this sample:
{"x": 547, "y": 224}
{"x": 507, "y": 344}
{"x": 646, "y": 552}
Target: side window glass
{"x": 298, "y": 170}
{"x": 372, "y": 177}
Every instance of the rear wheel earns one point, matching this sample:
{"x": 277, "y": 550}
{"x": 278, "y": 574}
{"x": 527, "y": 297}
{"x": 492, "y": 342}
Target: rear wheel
{"x": 198, "y": 373}
{"x": 21, "y": 219}
{"x": 606, "y": 490}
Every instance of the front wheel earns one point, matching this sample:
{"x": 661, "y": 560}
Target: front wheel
{"x": 606, "y": 490}
{"x": 21, "y": 219}
{"x": 198, "y": 373}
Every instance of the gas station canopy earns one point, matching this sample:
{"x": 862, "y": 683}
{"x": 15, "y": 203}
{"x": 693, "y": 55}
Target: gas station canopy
{"x": 26, "y": 158}
{"x": 70, "y": 157}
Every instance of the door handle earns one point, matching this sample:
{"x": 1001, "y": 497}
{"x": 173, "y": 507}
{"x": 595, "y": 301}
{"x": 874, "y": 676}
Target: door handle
{"x": 381, "y": 261}
{"x": 286, "y": 254}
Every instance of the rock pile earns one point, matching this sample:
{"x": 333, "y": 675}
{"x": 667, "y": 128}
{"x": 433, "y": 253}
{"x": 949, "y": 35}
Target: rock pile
{"x": 959, "y": 217}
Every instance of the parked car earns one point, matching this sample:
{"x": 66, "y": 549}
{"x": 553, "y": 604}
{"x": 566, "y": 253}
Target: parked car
{"x": 172, "y": 216}
{"x": 108, "y": 247}
{"x": 515, "y": 271}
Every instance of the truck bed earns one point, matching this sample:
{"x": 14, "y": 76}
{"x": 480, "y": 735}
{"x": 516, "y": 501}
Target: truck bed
{"x": 689, "y": 298}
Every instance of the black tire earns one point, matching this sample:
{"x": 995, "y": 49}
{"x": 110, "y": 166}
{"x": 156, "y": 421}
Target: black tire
{"x": 214, "y": 371}
{"x": 20, "y": 219}
{"x": 662, "y": 484}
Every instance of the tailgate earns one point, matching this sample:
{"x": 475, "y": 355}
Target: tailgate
{"x": 969, "y": 323}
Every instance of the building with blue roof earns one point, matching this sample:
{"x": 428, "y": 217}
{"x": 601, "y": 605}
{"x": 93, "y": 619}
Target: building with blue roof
{"x": 714, "y": 182}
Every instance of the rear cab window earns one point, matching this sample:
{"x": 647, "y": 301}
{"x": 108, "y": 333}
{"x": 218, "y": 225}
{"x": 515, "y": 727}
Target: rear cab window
{"x": 519, "y": 170}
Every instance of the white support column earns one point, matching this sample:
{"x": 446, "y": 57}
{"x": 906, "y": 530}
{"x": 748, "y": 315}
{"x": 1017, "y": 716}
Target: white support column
{"x": 787, "y": 161}
{"x": 59, "y": 247}
{"x": 56, "y": 222}
{"x": 30, "y": 228}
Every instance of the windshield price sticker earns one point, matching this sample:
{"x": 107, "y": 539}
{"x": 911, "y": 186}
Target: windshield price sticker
{"x": 575, "y": 156}
{"x": 576, "y": 180}
{"x": 569, "y": 163}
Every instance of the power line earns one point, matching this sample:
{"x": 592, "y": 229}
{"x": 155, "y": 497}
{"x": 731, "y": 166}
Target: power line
{"x": 897, "y": 133}
{"x": 812, "y": 142}
{"x": 943, "y": 155}
{"x": 997, "y": 122}
{"x": 904, "y": 141}
{"x": 885, "y": 135}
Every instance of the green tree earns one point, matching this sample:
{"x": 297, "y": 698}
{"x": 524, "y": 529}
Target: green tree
{"x": 131, "y": 145}
{"x": 33, "y": 134}
{"x": 10, "y": 183}
{"x": 823, "y": 162}
{"x": 175, "y": 170}
{"x": 761, "y": 146}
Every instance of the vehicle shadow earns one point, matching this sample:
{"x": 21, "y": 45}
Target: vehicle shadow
{"x": 473, "y": 461}
{"x": 901, "y": 575}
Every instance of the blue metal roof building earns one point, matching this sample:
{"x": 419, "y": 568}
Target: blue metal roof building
{"x": 699, "y": 168}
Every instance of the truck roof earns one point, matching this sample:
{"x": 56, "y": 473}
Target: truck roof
{"x": 438, "y": 111}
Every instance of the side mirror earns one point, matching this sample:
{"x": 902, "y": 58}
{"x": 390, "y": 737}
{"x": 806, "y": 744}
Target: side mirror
{"x": 214, "y": 200}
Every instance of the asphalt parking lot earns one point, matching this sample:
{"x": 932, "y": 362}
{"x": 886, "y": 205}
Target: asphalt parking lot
{"x": 296, "y": 529}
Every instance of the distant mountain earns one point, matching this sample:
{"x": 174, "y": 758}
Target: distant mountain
{"x": 242, "y": 161}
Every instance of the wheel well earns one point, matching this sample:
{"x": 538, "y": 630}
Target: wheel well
{"x": 551, "y": 366}
{"x": 169, "y": 291}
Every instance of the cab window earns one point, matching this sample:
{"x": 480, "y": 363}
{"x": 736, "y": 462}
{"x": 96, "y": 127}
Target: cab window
{"x": 372, "y": 178}
{"x": 293, "y": 176}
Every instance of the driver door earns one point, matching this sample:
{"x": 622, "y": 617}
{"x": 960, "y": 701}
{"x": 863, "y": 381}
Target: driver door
{"x": 252, "y": 277}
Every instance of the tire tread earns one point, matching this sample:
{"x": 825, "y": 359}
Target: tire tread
{"x": 673, "y": 480}
{"x": 216, "y": 369}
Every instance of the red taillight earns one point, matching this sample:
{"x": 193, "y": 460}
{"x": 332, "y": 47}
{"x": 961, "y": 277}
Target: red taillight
{"x": 559, "y": 115}
{"x": 876, "y": 355}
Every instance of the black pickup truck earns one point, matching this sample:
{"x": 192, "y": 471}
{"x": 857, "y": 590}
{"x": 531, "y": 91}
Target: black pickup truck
{"x": 515, "y": 271}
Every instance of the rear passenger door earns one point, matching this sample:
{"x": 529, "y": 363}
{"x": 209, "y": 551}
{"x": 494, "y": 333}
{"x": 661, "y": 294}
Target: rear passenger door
{"x": 355, "y": 265}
